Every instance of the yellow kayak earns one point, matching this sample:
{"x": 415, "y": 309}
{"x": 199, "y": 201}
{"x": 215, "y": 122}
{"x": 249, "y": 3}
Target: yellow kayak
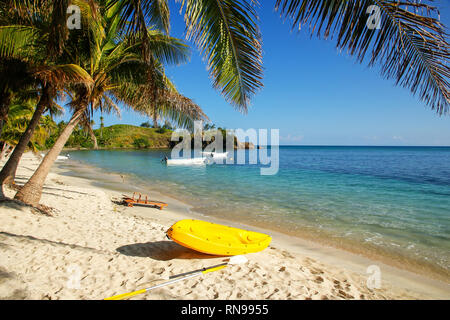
{"x": 216, "y": 239}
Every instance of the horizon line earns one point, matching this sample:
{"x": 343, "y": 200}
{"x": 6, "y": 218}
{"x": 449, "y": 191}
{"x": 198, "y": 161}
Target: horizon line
{"x": 343, "y": 145}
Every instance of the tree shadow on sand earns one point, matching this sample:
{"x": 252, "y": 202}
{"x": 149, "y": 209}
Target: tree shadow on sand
{"x": 163, "y": 251}
{"x": 16, "y": 289}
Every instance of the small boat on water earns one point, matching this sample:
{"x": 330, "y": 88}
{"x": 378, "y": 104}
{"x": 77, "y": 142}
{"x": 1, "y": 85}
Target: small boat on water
{"x": 217, "y": 239}
{"x": 182, "y": 161}
{"x": 216, "y": 155}
{"x": 62, "y": 158}
{"x": 59, "y": 157}
{"x": 207, "y": 158}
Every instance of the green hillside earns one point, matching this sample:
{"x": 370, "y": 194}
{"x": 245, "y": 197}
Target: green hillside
{"x": 124, "y": 136}
{"x": 128, "y": 136}
{"x": 120, "y": 136}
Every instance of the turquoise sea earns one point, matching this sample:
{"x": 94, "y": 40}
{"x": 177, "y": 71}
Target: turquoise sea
{"x": 385, "y": 202}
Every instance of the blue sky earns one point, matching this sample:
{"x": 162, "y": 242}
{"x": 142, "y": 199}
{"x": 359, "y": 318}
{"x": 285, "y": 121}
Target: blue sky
{"x": 312, "y": 93}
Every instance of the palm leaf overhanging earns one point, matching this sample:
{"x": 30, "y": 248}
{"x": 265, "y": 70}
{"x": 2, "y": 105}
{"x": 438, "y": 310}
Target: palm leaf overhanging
{"x": 228, "y": 35}
{"x": 91, "y": 65}
{"x": 410, "y": 43}
{"x": 159, "y": 98}
{"x": 226, "y": 32}
{"x": 136, "y": 15}
{"x": 16, "y": 41}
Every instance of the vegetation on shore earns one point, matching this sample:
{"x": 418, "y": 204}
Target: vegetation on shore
{"x": 122, "y": 136}
{"x": 125, "y": 136}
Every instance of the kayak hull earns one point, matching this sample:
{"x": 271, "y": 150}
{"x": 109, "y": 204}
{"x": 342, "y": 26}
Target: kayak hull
{"x": 216, "y": 239}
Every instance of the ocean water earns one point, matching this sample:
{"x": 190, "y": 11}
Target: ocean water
{"x": 391, "y": 202}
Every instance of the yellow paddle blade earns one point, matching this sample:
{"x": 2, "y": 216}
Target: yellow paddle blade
{"x": 213, "y": 269}
{"x": 126, "y": 295}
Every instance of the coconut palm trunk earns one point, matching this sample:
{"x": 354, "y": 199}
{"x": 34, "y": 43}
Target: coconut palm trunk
{"x": 8, "y": 173}
{"x": 31, "y": 192}
{"x": 101, "y": 127}
{"x": 155, "y": 107}
{"x": 93, "y": 137}
{"x": 155, "y": 117}
{"x": 4, "y": 150}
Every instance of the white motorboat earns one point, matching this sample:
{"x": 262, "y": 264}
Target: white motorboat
{"x": 183, "y": 161}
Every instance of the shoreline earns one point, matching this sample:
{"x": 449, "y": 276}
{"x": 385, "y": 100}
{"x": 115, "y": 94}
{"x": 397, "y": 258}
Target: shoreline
{"x": 364, "y": 250}
{"x": 112, "y": 242}
{"x": 321, "y": 250}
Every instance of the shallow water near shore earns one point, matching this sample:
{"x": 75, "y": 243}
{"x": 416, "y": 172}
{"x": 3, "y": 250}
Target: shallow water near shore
{"x": 382, "y": 202}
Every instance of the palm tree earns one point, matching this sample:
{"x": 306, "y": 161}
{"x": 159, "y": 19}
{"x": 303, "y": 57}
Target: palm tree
{"x": 159, "y": 99}
{"x": 87, "y": 125}
{"x": 14, "y": 75}
{"x": 48, "y": 124}
{"x": 20, "y": 114}
{"x": 410, "y": 44}
{"x": 171, "y": 105}
{"x": 112, "y": 63}
{"x": 5, "y": 148}
{"x": 27, "y": 38}
{"x": 92, "y": 134}
{"x": 226, "y": 32}
{"x": 102, "y": 125}
{"x": 31, "y": 45}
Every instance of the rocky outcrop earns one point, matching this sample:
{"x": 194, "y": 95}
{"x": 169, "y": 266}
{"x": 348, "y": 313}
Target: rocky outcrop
{"x": 244, "y": 145}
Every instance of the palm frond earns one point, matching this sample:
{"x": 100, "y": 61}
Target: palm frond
{"x": 18, "y": 42}
{"x": 160, "y": 15}
{"x": 60, "y": 76}
{"x": 19, "y": 115}
{"x": 158, "y": 95}
{"x": 410, "y": 44}
{"x": 23, "y": 11}
{"x": 55, "y": 110}
{"x": 168, "y": 50}
{"x": 108, "y": 105}
{"x": 179, "y": 109}
{"x": 136, "y": 15}
{"x": 228, "y": 36}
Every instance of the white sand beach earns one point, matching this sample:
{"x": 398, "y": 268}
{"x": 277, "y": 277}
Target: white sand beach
{"x": 93, "y": 248}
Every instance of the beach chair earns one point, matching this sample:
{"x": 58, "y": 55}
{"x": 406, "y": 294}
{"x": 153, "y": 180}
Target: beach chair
{"x": 140, "y": 201}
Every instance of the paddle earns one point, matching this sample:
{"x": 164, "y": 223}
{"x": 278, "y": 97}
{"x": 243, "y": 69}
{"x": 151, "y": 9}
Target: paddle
{"x": 233, "y": 261}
